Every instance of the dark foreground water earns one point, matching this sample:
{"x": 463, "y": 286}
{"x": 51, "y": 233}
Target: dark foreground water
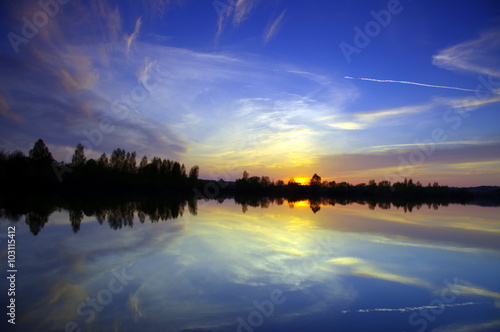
{"x": 283, "y": 267}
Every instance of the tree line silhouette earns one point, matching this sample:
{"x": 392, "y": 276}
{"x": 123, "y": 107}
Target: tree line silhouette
{"x": 39, "y": 172}
{"x": 408, "y": 189}
{"x": 119, "y": 173}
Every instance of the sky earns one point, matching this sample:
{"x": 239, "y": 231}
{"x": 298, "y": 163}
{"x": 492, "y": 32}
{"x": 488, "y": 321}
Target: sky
{"x": 350, "y": 90}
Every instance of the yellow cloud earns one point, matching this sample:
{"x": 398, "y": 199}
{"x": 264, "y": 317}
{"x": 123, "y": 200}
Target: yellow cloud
{"x": 360, "y": 267}
{"x": 429, "y": 246}
{"x": 346, "y": 260}
{"x": 471, "y": 289}
{"x": 371, "y": 272}
{"x": 378, "y": 115}
{"x": 133, "y": 304}
{"x": 347, "y": 125}
{"x": 467, "y": 104}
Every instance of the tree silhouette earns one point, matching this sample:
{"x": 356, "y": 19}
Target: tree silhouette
{"x": 40, "y": 152}
{"x": 103, "y": 161}
{"x": 78, "y": 158}
{"x": 143, "y": 163}
{"x": 75, "y": 217}
{"x": 315, "y": 180}
{"x": 117, "y": 160}
{"x": 130, "y": 162}
{"x": 194, "y": 173}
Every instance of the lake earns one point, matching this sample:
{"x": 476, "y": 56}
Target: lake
{"x": 268, "y": 265}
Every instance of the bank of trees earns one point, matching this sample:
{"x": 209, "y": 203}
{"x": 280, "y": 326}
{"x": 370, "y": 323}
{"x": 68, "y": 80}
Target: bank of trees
{"x": 119, "y": 171}
{"x": 316, "y": 186}
{"x": 123, "y": 172}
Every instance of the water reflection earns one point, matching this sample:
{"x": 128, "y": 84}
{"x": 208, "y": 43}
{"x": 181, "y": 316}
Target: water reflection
{"x": 121, "y": 213}
{"x": 117, "y": 213}
{"x": 279, "y": 266}
{"x": 315, "y": 203}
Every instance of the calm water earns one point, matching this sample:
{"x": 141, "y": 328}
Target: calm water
{"x": 280, "y": 268}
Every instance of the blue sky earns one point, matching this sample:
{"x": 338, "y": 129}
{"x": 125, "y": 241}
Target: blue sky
{"x": 279, "y": 88}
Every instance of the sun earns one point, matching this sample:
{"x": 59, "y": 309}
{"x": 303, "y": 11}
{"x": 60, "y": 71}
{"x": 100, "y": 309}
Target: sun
{"x": 302, "y": 180}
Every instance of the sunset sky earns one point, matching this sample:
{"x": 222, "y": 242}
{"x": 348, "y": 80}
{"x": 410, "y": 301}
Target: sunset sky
{"x": 351, "y": 90}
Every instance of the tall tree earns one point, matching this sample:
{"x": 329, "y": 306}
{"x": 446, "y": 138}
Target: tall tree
{"x": 183, "y": 172}
{"x": 194, "y": 173}
{"x": 41, "y": 152}
{"x": 143, "y": 163}
{"x": 79, "y": 156}
{"x": 265, "y": 181}
{"x": 130, "y": 164}
{"x": 315, "y": 180}
{"x": 176, "y": 171}
{"x": 103, "y": 161}
{"x": 118, "y": 157}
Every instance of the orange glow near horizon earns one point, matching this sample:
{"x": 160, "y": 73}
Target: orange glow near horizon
{"x": 304, "y": 203}
{"x": 300, "y": 180}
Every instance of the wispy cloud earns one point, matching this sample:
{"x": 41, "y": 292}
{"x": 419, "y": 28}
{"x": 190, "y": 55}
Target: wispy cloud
{"x": 146, "y": 71}
{"x": 364, "y": 120}
{"x": 347, "y": 125}
{"x": 242, "y": 10}
{"x": 359, "y": 267}
{"x": 88, "y": 72}
{"x": 130, "y": 39}
{"x": 479, "y": 55}
{"x": 467, "y": 104}
{"x": 399, "y": 111}
{"x": 465, "y": 287}
{"x": 273, "y": 27}
{"x": 449, "y": 144}
{"x": 391, "y": 241}
{"x": 410, "y": 83}
{"x": 233, "y": 11}
{"x": 6, "y": 112}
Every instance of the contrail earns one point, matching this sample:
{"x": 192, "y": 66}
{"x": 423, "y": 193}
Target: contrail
{"x": 407, "y": 309}
{"x": 411, "y": 83}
